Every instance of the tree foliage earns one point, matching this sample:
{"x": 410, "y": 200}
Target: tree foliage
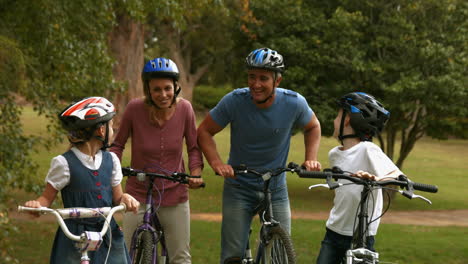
{"x": 410, "y": 55}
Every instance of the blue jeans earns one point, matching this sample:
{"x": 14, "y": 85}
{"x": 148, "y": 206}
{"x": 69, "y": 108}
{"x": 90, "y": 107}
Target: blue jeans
{"x": 334, "y": 247}
{"x": 239, "y": 203}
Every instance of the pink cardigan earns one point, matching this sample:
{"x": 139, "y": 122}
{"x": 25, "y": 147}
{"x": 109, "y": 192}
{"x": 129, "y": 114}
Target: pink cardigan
{"x": 159, "y": 149}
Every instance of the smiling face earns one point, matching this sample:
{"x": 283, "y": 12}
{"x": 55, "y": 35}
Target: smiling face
{"x": 261, "y": 84}
{"x": 161, "y": 92}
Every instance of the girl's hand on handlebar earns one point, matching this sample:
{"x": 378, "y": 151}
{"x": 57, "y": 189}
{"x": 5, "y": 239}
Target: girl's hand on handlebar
{"x": 194, "y": 183}
{"x": 33, "y": 204}
{"x": 312, "y": 165}
{"x": 364, "y": 175}
{"x": 131, "y": 203}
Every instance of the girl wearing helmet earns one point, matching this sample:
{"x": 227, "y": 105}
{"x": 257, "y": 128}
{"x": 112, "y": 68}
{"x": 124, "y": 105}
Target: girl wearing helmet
{"x": 157, "y": 125}
{"x": 360, "y": 117}
{"x": 87, "y": 176}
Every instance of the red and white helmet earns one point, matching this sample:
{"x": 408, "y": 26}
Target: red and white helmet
{"x": 88, "y": 112}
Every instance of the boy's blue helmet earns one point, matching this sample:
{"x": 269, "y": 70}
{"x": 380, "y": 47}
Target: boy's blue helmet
{"x": 367, "y": 115}
{"x": 160, "y": 68}
{"x": 265, "y": 58}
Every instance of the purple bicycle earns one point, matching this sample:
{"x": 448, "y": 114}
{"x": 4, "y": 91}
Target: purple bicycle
{"x": 148, "y": 242}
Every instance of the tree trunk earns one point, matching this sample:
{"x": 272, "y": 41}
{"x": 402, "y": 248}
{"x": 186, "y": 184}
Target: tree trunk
{"x": 126, "y": 43}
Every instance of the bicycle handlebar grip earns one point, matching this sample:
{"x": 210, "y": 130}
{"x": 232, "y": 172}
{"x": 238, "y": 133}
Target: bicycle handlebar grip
{"x": 313, "y": 174}
{"x": 425, "y": 187}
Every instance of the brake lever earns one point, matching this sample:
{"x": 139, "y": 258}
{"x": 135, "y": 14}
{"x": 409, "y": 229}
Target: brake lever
{"x": 414, "y": 196}
{"x": 319, "y": 185}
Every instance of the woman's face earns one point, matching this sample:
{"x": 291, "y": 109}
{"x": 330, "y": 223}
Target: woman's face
{"x": 162, "y": 92}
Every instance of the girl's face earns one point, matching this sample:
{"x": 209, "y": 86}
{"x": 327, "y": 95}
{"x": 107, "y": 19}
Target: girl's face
{"x": 111, "y": 131}
{"x": 162, "y": 92}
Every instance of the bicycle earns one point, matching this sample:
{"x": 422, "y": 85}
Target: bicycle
{"x": 88, "y": 240}
{"x": 150, "y": 233}
{"x": 275, "y": 244}
{"x": 359, "y": 253}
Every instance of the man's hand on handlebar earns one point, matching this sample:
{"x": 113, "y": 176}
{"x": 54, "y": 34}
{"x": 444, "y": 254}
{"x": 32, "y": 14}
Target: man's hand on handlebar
{"x": 312, "y": 165}
{"x": 223, "y": 170}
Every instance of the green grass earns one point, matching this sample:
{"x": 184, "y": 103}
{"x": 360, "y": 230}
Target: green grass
{"x": 435, "y": 162}
{"x": 395, "y": 243}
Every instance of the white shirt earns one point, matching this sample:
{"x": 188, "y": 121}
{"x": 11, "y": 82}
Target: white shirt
{"x": 59, "y": 172}
{"x": 364, "y": 156}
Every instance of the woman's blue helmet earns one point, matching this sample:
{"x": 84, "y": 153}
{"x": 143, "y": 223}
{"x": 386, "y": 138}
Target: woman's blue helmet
{"x": 265, "y": 58}
{"x": 160, "y": 68}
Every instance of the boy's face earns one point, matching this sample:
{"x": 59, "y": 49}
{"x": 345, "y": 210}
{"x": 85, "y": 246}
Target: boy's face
{"x": 336, "y": 124}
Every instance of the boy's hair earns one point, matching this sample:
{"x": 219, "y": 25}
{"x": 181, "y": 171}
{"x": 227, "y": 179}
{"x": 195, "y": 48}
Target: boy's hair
{"x": 367, "y": 115}
{"x": 82, "y": 118}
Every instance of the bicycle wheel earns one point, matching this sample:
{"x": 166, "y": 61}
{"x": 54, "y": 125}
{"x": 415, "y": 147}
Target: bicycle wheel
{"x": 279, "y": 248}
{"x": 145, "y": 248}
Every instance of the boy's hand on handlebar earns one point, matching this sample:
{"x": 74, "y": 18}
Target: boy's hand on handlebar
{"x": 195, "y": 183}
{"x": 364, "y": 175}
{"x": 312, "y": 165}
{"x": 131, "y": 203}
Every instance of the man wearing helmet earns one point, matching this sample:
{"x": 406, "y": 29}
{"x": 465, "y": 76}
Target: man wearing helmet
{"x": 262, "y": 118}
{"x": 159, "y": 124}
{"x": 360, "y": 117}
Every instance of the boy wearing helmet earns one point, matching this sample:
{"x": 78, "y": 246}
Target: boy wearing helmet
{"x": 87, "y": 176}
{"x": 262, "y": 118}
{"x": 158, "y": 124}
{"x": 360, "y": 117}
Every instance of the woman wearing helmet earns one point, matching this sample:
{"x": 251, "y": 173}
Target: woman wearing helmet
{"x": 87, "y": 176}
{"x": 262, "y": 118}
{"x": 157, "y": 125}
{"x": 360, "y": 117}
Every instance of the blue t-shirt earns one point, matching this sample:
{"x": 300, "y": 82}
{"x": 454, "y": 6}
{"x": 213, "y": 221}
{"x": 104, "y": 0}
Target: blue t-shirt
{"x": 260, "y": 138}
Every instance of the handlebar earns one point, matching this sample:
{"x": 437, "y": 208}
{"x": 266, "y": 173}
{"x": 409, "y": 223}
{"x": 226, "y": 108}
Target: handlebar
{"x": 77, "y": 212}
{"x": 266, "y": 174}
{"x": 336, "y": 173}
{"x": 175, "y": 177}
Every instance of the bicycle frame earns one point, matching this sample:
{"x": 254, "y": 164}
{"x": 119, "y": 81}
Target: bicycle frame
{"x": 150, "y": 219}
{"x": 87, "y": 241}
{"x": 152, "y": 224}
{"x": 359, "y": 251}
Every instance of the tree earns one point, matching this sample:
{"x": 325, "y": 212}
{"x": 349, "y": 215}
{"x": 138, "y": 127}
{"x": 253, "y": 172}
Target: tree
{"x": 410, "y": 55}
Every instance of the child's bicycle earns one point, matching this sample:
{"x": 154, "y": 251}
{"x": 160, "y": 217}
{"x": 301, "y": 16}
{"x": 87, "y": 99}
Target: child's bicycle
{"x": 150, "y": 233}
{"x": 275, "y": 244}
{"x": 87, "y": 241}
{"x": 359, "y": 253}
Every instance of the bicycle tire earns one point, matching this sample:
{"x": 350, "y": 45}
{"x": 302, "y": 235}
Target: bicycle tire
{"x": 280, "y": 248}
{"x": 144, "y": 251}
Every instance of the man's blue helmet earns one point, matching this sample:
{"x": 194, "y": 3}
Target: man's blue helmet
{"x": 265, "y": 58}
{"x": 160, "y": 68}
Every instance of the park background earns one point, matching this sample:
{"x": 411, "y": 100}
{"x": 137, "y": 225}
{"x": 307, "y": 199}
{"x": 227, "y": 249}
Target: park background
{"x": 411, "y": 55}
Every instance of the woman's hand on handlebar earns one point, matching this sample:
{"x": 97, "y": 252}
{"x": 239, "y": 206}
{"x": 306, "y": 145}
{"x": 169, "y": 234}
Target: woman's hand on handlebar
{"x": 131, "y": 203}
{"x": 312, "y": 165}
{"x": 195, "y": 183}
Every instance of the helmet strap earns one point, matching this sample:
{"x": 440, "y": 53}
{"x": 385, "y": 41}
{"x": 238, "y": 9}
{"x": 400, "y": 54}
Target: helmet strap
{"x": 105, "y": 140}
{"x": 341, "y": 137}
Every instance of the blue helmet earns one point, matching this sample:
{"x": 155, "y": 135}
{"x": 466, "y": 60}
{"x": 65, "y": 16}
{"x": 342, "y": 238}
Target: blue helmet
{"x": 367, "y": 115}
{"x": 160, "y": 68}
{"x": 265, "y": 58}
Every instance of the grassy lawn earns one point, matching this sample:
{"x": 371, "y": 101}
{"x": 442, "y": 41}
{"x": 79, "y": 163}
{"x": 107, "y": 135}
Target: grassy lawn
{"x": 395, "y": 243}
{"x": 442, "y": 163}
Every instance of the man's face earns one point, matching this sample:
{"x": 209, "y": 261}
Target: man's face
{"x": 261, "y": 84}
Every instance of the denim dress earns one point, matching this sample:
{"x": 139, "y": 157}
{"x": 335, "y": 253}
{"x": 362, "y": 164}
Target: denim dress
{"x": 92, "y": 189}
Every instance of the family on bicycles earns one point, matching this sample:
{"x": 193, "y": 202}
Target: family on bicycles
{"x": 262, "y": 119}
